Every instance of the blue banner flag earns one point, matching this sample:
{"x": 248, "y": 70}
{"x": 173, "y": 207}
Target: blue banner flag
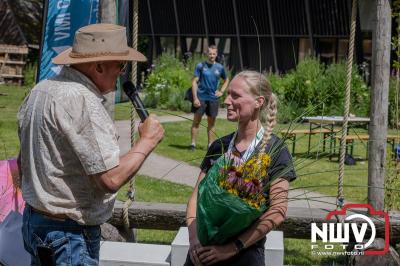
{"x": 64, "y": 18}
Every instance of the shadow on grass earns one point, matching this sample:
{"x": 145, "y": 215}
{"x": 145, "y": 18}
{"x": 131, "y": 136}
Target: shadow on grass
{"x": 186, "y": 147}
{"x": 332, "y": 157}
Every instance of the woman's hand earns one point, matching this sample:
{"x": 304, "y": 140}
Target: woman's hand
{"x": 194, "y": 244}
{"x": 212, "y": 254}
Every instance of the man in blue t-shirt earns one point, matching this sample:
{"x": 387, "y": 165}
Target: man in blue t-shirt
{"x": 205, "y": 94}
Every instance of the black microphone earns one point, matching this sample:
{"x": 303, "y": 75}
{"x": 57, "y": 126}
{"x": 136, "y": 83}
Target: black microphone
{"x": 133, "y": 95}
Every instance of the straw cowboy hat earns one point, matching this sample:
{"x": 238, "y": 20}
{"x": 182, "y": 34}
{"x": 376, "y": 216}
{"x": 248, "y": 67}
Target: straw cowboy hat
{"x": 99, "y": 42}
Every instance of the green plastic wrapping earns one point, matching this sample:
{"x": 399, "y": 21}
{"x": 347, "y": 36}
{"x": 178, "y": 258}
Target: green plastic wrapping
{"x": 220, "y": 214}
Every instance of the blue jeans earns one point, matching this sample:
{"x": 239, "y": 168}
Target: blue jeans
{"x": 71, "y": 243}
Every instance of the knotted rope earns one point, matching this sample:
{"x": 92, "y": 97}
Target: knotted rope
{"x": 134, "y": 118}
{"x": 340, "y": 196}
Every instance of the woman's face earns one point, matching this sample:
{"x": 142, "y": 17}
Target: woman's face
{"x": 240, "y": 103}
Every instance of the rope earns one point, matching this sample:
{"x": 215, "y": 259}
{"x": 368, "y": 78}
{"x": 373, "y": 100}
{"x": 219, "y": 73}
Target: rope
{"x": 131, "y": 189}
{"x": 340, "y": 196}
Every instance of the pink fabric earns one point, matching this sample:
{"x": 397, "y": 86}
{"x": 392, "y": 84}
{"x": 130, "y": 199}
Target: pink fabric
{"x": 10, "y": 195}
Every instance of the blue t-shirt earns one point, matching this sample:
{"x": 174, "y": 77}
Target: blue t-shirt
{"x": 209, "y": 76}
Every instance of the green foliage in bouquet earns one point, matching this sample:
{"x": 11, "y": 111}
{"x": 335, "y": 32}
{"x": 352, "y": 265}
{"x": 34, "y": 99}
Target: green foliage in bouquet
{"x": 221, "y": 214}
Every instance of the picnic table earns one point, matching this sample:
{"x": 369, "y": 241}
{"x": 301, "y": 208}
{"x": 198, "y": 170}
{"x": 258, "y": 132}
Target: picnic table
{"x": 328, "y": 123}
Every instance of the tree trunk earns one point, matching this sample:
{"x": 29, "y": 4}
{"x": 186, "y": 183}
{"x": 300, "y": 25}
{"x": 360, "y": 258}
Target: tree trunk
{"x": 108, "y": 14}
{"x": 168, "y": 216}
{"x": 379, "y": 103}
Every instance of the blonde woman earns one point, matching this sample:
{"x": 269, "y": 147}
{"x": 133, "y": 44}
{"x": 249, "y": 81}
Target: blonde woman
{"x": 250, "y": 103}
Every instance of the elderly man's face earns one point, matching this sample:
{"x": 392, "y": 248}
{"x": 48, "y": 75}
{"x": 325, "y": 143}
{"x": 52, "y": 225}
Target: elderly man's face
{"x": 107, "y": 75}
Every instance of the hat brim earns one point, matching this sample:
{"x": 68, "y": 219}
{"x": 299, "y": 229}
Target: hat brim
{"x": 64, "y": 58}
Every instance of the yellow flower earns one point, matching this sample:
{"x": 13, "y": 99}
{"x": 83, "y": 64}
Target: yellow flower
{"x": 265, "y": 159}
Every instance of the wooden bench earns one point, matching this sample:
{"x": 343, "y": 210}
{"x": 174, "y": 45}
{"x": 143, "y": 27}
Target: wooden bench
{"x": 292, "y": 135}
{"x": 123, "y": 253}
{"x": 392, "y": 140}
{"x": 350, "y": 139}
{"x": 273, "y": 248}
{"x": 365, "y": 137}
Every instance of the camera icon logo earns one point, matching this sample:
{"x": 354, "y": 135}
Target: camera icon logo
{"x": 356, "y": 227}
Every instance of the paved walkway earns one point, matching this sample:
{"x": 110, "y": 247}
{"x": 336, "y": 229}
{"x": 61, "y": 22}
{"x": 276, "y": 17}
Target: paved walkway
{"x": 161, "y": 167}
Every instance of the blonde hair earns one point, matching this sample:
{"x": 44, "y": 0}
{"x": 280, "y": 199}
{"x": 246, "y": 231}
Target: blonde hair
{"x": 258, "y": 85}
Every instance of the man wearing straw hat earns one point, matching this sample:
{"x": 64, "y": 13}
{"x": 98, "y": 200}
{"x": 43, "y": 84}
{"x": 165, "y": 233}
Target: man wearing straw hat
{"x": 70, "y": 163}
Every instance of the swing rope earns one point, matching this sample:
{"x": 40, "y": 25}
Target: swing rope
{"x": 134, "y": 118}
{"x": 340, "y": 195}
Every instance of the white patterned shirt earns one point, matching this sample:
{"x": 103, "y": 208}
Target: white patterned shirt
{"x": 67, "y": 135}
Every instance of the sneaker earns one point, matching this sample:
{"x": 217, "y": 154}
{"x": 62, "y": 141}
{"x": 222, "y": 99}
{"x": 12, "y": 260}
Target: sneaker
{"x": 192, "y": 147}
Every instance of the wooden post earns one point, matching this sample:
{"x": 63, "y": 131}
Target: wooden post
{"x": 169, "y": 216}
{"x": 108, "y": 14}
{"x": 204, "y": 12}
{"x": 178, "y": 29}
{"x": 379, "y": 103}
{"x": 45, "y": 11}
{"x": 272, "y": 32}
{"x": 153, "y": 38}
{"x": 309, "y": 26}
{"x": 239, "y": 44}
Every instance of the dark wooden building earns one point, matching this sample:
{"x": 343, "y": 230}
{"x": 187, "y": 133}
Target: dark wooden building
{"x": 19, "y": 30}
{"x": 288, "y": 30}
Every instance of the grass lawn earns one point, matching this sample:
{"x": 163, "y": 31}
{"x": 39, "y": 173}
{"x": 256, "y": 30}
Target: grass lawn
{"x": 319, "y": 173}
{"x": 153, "y": 190}
{"x": 315, "y": 174}
{"x": 123, "y": 111}
{"x": 10, "y": 100}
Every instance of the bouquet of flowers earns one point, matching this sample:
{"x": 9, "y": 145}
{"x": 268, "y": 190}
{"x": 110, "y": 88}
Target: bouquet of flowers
{"x": 231, "y": 196}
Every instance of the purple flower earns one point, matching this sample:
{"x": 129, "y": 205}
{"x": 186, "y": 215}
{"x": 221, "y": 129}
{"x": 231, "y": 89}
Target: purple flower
{"x": 232, "y": 178}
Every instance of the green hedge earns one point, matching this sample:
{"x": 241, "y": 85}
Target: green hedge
{"x": 315, "y": 89}
{"x": 311, "y": 89}
{"x": 393, "y": 116}
{"x": 166, "y": 85}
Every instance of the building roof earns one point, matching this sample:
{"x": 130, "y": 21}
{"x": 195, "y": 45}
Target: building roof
{"x": 20, "y": 22}
{"x": 328, "y": 18}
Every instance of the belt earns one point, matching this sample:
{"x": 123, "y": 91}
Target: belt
{"x": 58, "y": 217}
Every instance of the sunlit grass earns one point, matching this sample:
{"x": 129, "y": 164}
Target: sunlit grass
{"x": 11, "y": 98}
{"x": 321, "y": 173}
{"x": 123, "y": 111}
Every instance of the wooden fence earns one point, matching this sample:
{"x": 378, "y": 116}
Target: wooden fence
{"x": 166, "y": 216}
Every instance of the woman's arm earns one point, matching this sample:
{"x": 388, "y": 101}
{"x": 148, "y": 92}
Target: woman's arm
{"x": 191, "y": 221}
{"x": 273, "y": 217}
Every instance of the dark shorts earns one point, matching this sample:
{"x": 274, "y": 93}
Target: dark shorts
{"x": 251, "y": 256}
{"x": 208, "y": 107}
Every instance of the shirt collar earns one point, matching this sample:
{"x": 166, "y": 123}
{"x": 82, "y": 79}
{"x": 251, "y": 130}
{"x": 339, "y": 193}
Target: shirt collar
{"x": 76, "y": 76}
